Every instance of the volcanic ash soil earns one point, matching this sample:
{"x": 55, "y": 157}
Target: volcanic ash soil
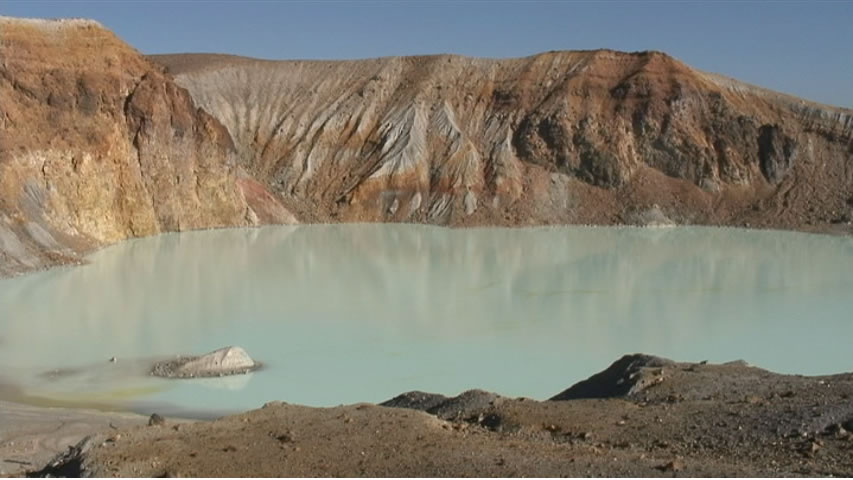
{"x": 643, "y": 416}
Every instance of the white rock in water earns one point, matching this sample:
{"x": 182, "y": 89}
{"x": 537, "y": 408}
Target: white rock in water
{"x": 226, "y": 361}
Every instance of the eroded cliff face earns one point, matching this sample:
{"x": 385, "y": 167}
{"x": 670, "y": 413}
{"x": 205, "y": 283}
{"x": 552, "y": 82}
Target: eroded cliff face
{"x": 97, "y": 145}
{"x": 596, "y": 137}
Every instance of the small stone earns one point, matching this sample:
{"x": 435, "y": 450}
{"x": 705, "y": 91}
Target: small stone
{"x": 673, "y": 466}
{"x": 392, "y": 209}
{"x": 113, "y": 359}
{"x": 621, "y": 423}
{"x": 586, "y": 435}
{"x": 810, "y": 448}
{"x": 835, "y": 429}
{"x": 156, "y": 420}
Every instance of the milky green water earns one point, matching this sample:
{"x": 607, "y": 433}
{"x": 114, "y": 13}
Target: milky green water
{"x": 349, "y": 313}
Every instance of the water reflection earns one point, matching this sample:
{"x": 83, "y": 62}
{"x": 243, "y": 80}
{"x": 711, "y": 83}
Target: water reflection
{"x": 361, "y": 312}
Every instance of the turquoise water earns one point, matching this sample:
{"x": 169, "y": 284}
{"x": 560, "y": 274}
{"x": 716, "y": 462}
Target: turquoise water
{"x": 349, "y": 313}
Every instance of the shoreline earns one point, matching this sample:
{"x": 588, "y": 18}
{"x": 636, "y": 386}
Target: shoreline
{"x": 10, "y": 395}
{"x": 830, "y": 229}
{"x": 61, "y": 425}
{"x": 642, "y": 416}
{"x": 31, "y": 435}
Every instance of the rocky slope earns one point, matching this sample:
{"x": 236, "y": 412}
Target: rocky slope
{"x": 642, "y": 417}
{"x": 597, "y": 137}
{"x": 98, "y": 144}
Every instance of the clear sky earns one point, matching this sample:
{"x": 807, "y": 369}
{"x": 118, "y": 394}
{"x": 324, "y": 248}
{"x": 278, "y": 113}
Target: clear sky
{"x": 803, "y": 48}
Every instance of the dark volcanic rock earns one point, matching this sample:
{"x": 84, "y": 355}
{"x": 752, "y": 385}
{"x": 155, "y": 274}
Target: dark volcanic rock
{"x": 415, "y": 400}
{"x": 465, "y": 405}
{"x": 629, "y": 375}
{"x": 460, "y": 407}
{"x": 156, "y": 420}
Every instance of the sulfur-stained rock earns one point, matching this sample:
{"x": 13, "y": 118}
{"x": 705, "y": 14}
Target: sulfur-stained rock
{"x": 98, "y": 144}
{"x": 481, "y": 141}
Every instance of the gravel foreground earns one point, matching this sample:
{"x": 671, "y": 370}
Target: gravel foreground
{"x": 644, "y": 416}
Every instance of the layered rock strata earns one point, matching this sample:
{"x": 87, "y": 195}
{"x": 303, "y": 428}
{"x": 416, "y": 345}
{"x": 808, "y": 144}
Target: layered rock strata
{"x": 597, "y": 137}
{"x": 98, "y": 144}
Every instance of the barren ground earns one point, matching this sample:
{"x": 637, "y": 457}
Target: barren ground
{"x": 650, "y": 417}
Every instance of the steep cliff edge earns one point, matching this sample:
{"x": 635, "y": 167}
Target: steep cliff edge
{"x": 596, "y": 137}
{"x": 98, "y": 144}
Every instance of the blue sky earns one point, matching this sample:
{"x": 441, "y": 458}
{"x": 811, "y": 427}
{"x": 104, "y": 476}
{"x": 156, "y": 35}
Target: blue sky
{"x": 803, "y": 48}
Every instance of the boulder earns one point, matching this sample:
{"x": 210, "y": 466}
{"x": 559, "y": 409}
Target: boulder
{"x": 218, "y": 363}
{"x": 465, "y": 405}
{"x": 627, "y": 376}
{"x": 416, "y": 400}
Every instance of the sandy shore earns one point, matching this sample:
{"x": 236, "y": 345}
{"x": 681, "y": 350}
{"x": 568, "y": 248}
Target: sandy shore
{"x": 32, "y": 435}
{"x": 643, "y": 416}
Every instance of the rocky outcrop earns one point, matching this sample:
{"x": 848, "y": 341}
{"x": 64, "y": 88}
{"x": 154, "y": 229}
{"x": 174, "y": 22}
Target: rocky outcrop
{"x": 700, "y": 419}
{"x": 627, "y": 376}
{"x": 97, "y": 144}
{"x": 560, "y": 137}
{"x": 460, "y": 407}
{"x": 218, "y": 363}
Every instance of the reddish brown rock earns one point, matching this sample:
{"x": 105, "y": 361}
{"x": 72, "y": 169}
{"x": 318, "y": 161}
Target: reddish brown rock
{"x": 97, "y": 144}
{"x": 562, "y": 137}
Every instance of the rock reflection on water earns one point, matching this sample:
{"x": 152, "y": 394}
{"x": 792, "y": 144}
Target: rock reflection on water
{"x": 350, "y": 313}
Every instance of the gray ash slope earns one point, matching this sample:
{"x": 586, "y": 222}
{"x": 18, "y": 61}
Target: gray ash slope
{"x": 596, "y": 137}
